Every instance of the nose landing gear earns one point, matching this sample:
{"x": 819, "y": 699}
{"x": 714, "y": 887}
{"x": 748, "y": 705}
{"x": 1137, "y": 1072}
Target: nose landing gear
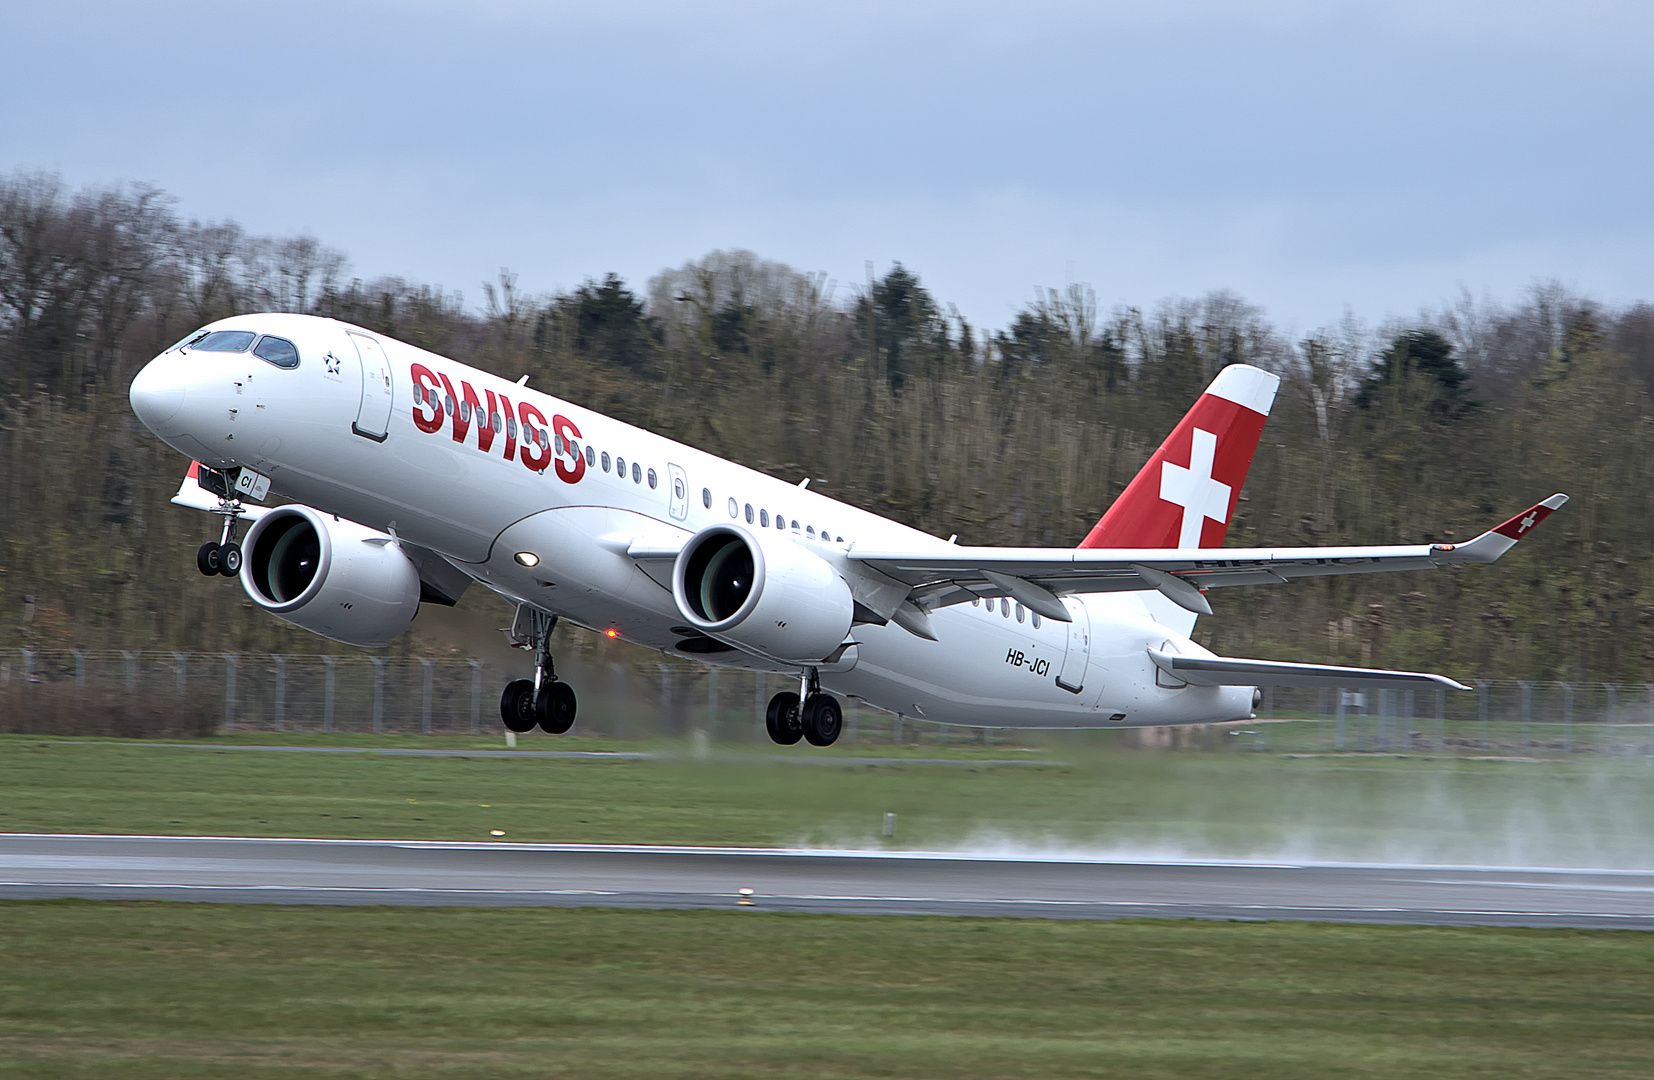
{"x": 224, "y": 556}
{"x": 818, "y": 720}
{"x": 542, "y": 701}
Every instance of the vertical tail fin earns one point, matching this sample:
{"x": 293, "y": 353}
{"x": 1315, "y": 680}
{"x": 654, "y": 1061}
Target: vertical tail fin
{"x": 1185, "y": 495}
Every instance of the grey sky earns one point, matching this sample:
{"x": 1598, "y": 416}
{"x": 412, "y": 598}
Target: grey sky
{"x": 1308, "y": 156}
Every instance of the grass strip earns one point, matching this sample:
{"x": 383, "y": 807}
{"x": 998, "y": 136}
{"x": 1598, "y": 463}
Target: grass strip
{"x": 137, "y": 990}
{"x": 1567, "y": 812}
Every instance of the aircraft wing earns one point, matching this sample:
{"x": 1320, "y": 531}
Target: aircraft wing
{"x": 1225, "y": 671}
{"x": 1037, "y": 577}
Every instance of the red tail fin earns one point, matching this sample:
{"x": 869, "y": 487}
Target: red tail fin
{"x": 1185, "y": 495}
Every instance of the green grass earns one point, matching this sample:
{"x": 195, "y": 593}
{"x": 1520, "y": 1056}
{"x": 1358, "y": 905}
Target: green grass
{"x": 171, "y": 990}
{"x": 1571, "y": 811}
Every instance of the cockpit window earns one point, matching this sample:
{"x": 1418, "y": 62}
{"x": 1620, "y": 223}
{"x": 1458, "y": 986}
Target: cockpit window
{"x": 225, "y": 341}
{"x": 278, "y": 351}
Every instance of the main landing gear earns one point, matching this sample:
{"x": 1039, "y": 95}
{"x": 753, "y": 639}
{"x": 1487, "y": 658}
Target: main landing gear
{"x": 817, "y": 721}
{"x": 542, "y": 701}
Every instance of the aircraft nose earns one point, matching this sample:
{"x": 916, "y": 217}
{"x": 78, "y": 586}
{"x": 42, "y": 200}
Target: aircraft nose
{"x": 157, "y": 395}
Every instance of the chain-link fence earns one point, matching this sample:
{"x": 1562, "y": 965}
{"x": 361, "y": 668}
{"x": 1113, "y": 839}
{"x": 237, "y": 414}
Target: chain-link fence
{"x": 649, "y": 699}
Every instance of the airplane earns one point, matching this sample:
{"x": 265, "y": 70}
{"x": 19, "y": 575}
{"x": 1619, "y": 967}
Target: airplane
{"x": 410, "y": 476}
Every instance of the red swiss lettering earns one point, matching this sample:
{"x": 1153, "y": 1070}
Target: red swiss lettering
{"x": 535, "y": 455}
{"x": 462, "y": 424}
{"x": 427, "y": 415}
{"x": 568, "y": 472}
{"x": 504, "y": 413}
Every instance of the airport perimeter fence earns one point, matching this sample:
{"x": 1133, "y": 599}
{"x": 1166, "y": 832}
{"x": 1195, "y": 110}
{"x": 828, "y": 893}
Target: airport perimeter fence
{"x": 383, "y": 695}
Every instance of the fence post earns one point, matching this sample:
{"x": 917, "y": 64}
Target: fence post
{"x": 425, "y": 713}
{"x": 476, "y": 697}
{"x": 329, "y": 662}
{"x": 131, "y": 670}
{"x": 851, "y": 720}
{"x": 1613, "y": 711}
{"x": 281, "y": 691}
{"x": 183, "y": 662}
{"x": 80, "y": 668}
{"x": 28, "y": 665}
{"x": 1441, "y": 721}
{"x": 1338, "y": 722}
{"x": 229, "y": 690}
{"x": 1567, "y": 717}
{"x": 378, "y": 695}
{"x": 761, "y": 704}
{"x": 1481, "y": 712}
{"x": 712, "y": 704}
{"x": 896, "y": 730}
{"x": 665, "y": 723}
{"x": 1527, "y": 712}
{"x": 1650, "y": 689}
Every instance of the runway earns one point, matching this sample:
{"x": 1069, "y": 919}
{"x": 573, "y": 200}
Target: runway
{"x": 356, "y": 872}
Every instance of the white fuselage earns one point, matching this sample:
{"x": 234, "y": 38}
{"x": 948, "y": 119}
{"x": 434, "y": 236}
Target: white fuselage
{"x": 331, "y": 434}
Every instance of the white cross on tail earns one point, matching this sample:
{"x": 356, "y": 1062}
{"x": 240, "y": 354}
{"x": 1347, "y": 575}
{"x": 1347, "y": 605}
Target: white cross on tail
{"x": 1194, "y": 490}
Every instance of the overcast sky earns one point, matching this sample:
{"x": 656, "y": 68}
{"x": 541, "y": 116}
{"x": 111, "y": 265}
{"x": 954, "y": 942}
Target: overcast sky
{"x": 1311, "y": 157}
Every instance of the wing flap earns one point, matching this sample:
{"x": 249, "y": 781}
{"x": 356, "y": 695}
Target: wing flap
{"x": 1230, "y": 671}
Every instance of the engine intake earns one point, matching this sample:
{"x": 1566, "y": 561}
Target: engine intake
{"x": 771, "y": 596}
{"x": 330, "y": 576}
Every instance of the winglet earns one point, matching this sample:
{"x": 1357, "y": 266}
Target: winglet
{"x": 1496, "y": 541}
{"x": 1518, "y": 526}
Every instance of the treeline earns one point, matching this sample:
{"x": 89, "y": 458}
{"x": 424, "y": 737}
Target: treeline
{"x": 1418, "y": 431}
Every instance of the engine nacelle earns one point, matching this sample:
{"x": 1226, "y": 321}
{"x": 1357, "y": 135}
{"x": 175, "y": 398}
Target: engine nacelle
{"x": 330, "y": 576}
{"x": 771, "y": 596}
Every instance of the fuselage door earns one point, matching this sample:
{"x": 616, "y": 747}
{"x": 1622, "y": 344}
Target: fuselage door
{"x": 1074, "y": 661}
{"x": 374, "y": 417}
{"x": 680, "y": 491}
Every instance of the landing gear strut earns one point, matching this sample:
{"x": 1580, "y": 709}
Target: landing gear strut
{"x": 818, "y": 720}
{"x": 542, "y": 701}
{"x": 224, "y": 556}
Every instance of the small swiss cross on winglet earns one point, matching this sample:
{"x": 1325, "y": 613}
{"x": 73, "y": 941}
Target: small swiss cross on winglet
{"x": 1522, "y": 524}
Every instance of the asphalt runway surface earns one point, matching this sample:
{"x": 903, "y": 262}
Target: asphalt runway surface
{"x": 500, "y": 874}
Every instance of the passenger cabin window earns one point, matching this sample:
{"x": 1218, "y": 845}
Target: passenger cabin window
{"x": 764, "y": 518}
{"x": 810, "y": 531}
{"x": 225, "y": 341}
{"x": 637, "y": 473}
{"x": 605, "y": 461}
{"x": 652, "y": 480}
{"x": 591, "y": 455}
{"x": 1036, "y": 620}
{"x": 749, "y": 513}
{"x": 620, "y": 466}
{"x": 280, "y": 352}
{"x": 1022, "y": 613}
{"x": 734, "y": 508}
{"x": 706, "y": 498}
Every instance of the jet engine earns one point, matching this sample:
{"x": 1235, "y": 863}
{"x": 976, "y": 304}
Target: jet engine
{"x": 772, "y": 596}
{"x": 330, "y": 576}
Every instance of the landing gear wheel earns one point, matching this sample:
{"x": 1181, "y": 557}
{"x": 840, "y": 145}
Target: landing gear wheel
{"x": 555, "y": 707}
{"x": 207, "y": 560}
{"x": 229, "y": 560}
{"x": 781, "y": 719}
{"x": 823, "y": 719}
{"x": 517, "y": 705}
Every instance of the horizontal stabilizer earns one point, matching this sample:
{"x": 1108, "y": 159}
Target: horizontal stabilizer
{"x": 1224, "y": 671}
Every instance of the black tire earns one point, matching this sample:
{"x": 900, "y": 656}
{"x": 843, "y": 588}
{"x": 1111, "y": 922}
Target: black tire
{"x": 229, "y": 560}
{"x": 517, "y": 705}
{"x": 823, "y": 720}
{"x": 781, "y": 719}
{"x": 555, "y": 707}
{"x": 206, "y": 559}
